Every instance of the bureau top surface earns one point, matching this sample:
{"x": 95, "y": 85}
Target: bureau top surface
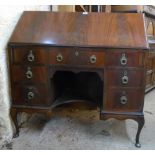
{"x": 125, "y": 30}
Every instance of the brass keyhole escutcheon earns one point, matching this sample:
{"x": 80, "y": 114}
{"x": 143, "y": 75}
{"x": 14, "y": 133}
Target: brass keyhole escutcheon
{"x": 29, "y": 73}
{"x": 76, "y": 53}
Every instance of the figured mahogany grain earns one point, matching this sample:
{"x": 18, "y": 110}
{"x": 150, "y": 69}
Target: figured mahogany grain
{"x": 78, "y": 29}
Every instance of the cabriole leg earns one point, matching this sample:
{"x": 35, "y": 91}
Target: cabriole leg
{"x": 140, "y": 122}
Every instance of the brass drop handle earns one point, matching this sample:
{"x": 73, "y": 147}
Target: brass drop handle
{"x": 125, "y": 79}
{"x": 30, "y": 56}
{"x": 30, "y": 95}
{"x": 123, "y": 100}
{"x": 123, "y": 59}
{"x": 59, "y": 58}
{"x": 29, "y": 73}
{"x": 93, "y": 59}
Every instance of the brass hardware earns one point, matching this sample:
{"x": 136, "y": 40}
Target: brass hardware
{"x": 123, "y": 99}
{"x": 30, "y": 57}
{"x": 29, "y": 73}
{"x": 93, "y": 59}
{"x": 30, "y": 95}
{"x": 125, "y": 78}
{"x": 59, "y": 58}
{"x": 123, "y": 59}
{"x": 76, "y": 53}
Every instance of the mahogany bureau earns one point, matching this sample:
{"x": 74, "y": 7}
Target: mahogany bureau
{"x": 60, "y": 58}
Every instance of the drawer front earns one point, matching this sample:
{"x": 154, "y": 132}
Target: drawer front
{"x": 30, "y": 95}
{"x": 30, "y": 55}
{"x": 125, "y": 77}
{"x": 79, "y": 57}
{"x": 29, "y": 74}
{"x": 124, "y": 100}
{"x": 124, "y": 58}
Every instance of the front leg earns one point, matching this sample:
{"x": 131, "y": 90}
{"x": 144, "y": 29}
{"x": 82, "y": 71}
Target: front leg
{"x": 14, "y": 118}
{"x": 140, "y": 122}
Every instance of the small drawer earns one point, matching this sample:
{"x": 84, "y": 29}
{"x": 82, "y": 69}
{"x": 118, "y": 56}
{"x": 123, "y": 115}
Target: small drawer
{"x": 124, "y": 77}
{"x": 80, "y": 57}
{"x": 29, "y": 55}
{"x": 29, "y": 74}
{"x": 124, "y": 58}
{"x": 30, "y": 95}
{"x": 124, "y": 100}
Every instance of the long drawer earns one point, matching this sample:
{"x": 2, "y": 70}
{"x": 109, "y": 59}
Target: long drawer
{"x": 84, "y": 57}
